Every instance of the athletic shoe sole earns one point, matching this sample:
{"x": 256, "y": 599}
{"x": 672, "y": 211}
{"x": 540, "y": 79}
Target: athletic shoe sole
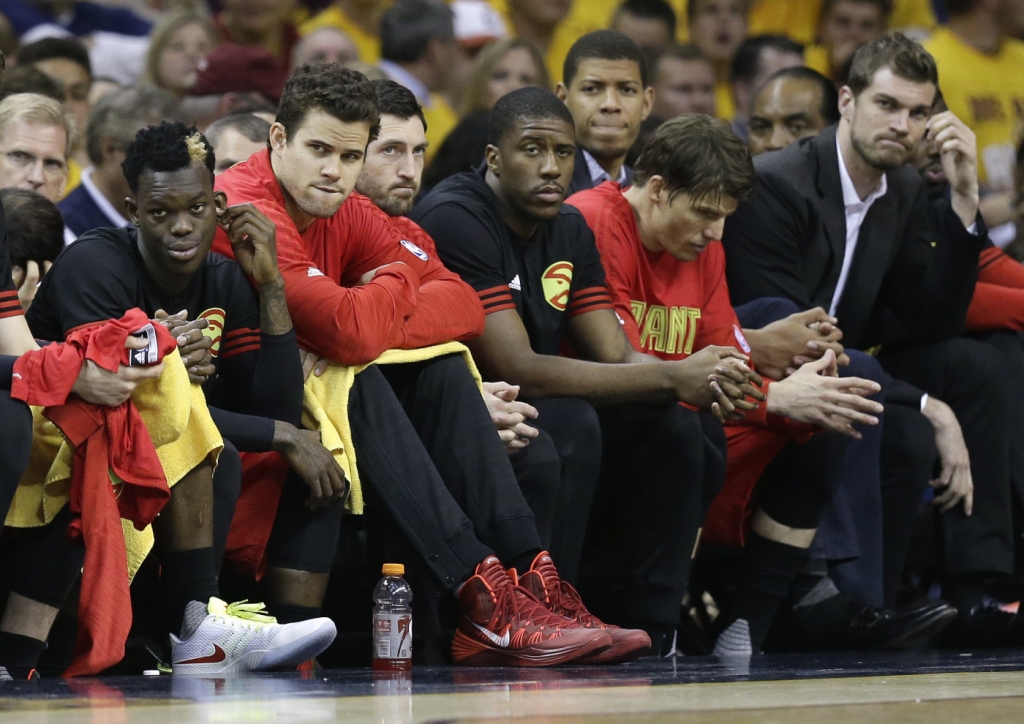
{"x": 289, "y": 655}
{"x": 467, "y": 651}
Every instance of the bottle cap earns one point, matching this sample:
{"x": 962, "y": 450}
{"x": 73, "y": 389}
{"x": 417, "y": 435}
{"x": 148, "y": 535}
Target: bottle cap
{"x": 393, "y": 569}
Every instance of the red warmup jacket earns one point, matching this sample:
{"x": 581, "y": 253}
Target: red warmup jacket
{"x": 998, "y": 301}
{"x": 406, "y": 306}
{"x": 105, "y": 438}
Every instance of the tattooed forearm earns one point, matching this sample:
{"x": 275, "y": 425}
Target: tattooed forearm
{"x": 274, "y": 317}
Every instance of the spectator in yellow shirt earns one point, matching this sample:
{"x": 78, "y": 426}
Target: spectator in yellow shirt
{"x": 358, "y": 19}
{"x": 419, "y": 51}
{"x": 845, "y": 26}
{"x": 799, "y": 19}
{"x": 718, "y": 27}
{"x": 683, "y": 82}
{"x": 981, "y": 71}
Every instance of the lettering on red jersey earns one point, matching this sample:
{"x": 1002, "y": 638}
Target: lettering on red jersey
{"x": 556, "y": 282}
{"x": 670, "y": 330}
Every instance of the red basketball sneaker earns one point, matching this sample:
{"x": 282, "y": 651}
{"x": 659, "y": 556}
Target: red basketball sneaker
{"x": 503, "y": 625}
{"x": 543, "y": 582}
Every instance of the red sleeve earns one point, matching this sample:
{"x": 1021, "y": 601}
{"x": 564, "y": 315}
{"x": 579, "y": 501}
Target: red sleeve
{"x": 998, "y": 301}
{"x": 620, "y": 271}
{"x": 351, "y": 325}
{"x": 448, "y": 307}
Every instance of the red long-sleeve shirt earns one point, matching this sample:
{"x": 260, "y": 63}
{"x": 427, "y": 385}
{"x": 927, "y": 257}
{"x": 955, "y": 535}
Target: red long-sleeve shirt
{"x": 998, "y": 301}
{"x": 406, "y": 306}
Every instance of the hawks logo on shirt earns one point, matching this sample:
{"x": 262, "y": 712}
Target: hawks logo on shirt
{"x": 417, "y": 252}
{"x": 556, "y": 281}
{"x": 215, "y": 330}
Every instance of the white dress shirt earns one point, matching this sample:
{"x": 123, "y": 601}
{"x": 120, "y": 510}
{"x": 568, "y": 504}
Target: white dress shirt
{"x": 856, "y": 211}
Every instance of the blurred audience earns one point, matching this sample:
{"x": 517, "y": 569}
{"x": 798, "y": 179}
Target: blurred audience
{"x": 718, "y": 27}
{"x": 260, "y": 23}
{"x": 178, "y": 45}
{"x": 98, "y": 201}
{"x": 230, "y": 78}
{"x": 651, "y": 24}
{"x": 358, "y": 19}
{"x": 236, "y": 137}
{"x": 324, "y": 45}
{"x": 66, "y": 61}
{"x": 756, "y": 60}
{"x": 502, "y": 67}
{"x": 419, "y": 51}
{"x": 845, "y": 26}
{"x": 26, "y": 79}
{"x": 683, "y": 81}
{"x": 980, "y": 65}
{"x": 32, "y": 19}
{"x": 35, "y": 140}
{"x": 543, "y": 22}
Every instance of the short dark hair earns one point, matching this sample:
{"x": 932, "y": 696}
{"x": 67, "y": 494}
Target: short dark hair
{"x": 122, "y": 113}
{"x": 49, "y": 48}
{"x": 651, "y": 10}
{"x": 686, "y": 52}
{"x": 35, "y": 228}
{"x": 331, "y": 88}
{"x": 394, "y": 99}
{"x": 252, "y": 127}
{"x": 829, "y": 95}
{"x": 960, "y": 7}
{"x": 697, "y": 155}
{"x": 692, "y": 5}
{"x": 26, "y": 79}
{"x": 602, "y": 45}
{"x": 901, "y": 55}
{"x": 884, "y": 6}
{"x": 746, "y": 64}
{"x": 167, "y": 147}
{"x": 525, "y": 103}
{"x": 408, "y": 26}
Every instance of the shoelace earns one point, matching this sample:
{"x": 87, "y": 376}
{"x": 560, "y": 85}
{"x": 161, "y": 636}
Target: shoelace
{"x": 565, "y": 598}
{"x": 517, "y": 602}
{"x": 253, "y": 615}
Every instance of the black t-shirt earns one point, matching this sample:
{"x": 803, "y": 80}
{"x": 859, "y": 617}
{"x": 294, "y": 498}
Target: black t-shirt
{"x": 547, "y": 279}
{"x": 102, "y": 275}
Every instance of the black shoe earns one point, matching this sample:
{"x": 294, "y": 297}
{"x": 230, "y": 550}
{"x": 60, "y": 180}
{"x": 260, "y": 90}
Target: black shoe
{"x": 14, "y": 673}
{"x": 861, "y": 627}
{"x": 982, "y": 627}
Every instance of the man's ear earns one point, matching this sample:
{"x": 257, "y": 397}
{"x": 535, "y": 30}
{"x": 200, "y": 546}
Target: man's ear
{"x": 132, "y": 209}
{"x": 220, "y": 201}
{"x": 847, "y": 102}
{"x": 278, "y": 137}
{"x": 654, "y": 188}
{"x": 493, "y": 159}
{"x": 562, "y": 92}
{"x": 648, "y": 102}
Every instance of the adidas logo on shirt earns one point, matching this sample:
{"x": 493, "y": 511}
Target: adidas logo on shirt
{"x": 514, "y": 284}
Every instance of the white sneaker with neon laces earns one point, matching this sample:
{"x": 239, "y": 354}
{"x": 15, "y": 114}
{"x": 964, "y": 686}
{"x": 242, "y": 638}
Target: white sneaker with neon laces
{"x": 220, "y": 637}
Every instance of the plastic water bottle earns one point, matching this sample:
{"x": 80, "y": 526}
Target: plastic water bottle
{"x": 392, "y": 621}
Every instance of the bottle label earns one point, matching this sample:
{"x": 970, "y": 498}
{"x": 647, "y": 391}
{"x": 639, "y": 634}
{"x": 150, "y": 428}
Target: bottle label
{"x": 392, "y": 635}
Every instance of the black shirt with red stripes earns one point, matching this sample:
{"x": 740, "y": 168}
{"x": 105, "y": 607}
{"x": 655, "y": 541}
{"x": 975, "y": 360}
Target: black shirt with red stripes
{"x": 10, "y": 305}
{"x": 549, "y": 278}
{"x": 102, "y": 275}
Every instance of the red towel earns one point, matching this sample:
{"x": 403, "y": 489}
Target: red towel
{"x": 106, "y": 439}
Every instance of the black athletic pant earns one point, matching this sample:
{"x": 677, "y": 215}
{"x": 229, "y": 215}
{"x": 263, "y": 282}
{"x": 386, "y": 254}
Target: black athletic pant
{"x": 457, "y": 503}
{"x": 575, "y": 431}
{"x": 15, "y": 446}
{"x": 661, "y": 467}
{"x": 967, "y": 376}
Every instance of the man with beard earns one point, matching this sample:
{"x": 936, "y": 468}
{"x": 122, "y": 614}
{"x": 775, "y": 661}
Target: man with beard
{"x": 837, "y": 220}
{"x": 547, "y": 470}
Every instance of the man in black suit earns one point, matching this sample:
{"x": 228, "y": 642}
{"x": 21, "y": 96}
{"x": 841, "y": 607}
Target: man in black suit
{"x": 842, "y": 222}
{"x": 605, "y": 86}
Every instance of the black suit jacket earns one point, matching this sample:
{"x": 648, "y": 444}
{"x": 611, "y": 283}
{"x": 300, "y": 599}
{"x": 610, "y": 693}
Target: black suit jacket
{"x": 911, "y": 278}
{"x": 581, "y": 180}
